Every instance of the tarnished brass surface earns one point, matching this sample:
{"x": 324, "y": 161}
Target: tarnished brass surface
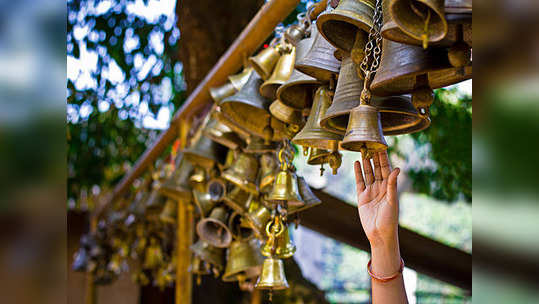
{"x": 280, "y": 75}
{"x": 240, "y": 79}
{"x": 364, "y": 131}
{"x": 401, "y": 64}
{"x": 222, "y": 92}
{"x": 308, "y": 196}
{"x": 237, "y": 199}
{"x": 339, "y": 26}
{"x": 243, "y": 261}
{"x": 285, "y": 188}
{"x": 243, "y": 173}
{"x": 319, "y": 62}
{"x": 304, "y": 45}
{"x": 399, "y": 116}
{"x": 312, "y": 135}
{"x": 297, "y": 92}
{"x": 286, "y": 114}
{"x": 209, "y": 254}
{"x": 272, "y": 276}
{"x": 420, "y": 19}
{"x": 214, "y": 229}
{"x": 205, "y": 153}
{"x": 222, "y": 134}
{"x": 265, "y": 61}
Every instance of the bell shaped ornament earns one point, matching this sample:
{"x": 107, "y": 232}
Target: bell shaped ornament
{"x": 239, "y": 230}
{"x": 308, "y": 196}
{"x": 341, "y": 25}
{"x": 214, "y": 229}
{"x": 280, "y": 75}
{"x": 318, "y": 156}
{"x": 203, "y": 202}
{"x": 278, "y": 244}
{"x": 216, "y": 188}
{"x": 304, "y": 45}
{"x": 268, "y": 170}
{"x": 286, "y": 114}
{"x": 295, "y": 33}
{"x": 243, "y": 173}
{"x": 401, "y": 65}
{"x": 297, "y": 91}
{"x": 237, "y": 199}
{"x": 223, "y": 135}
{"x": 168, "y": 214}
{"x": 399, "y": 116}
{"x": 364, "y": 131}
{"x": 285, "y": 188}
{"x": 222, "y": 92}
{"x": 209, "y": 254}
{"x": 205, "y": 153}
{"x": 319, "y": 62}
{"x": 265, "y": 61}
{"x": 420, "y": 19}
{"x": 243, "y": 261}
{"x": 257, "y": 145}
{"x": 272, "y": 276}
{"x": 240, "y": 79}
{"x": 347, "y": 96}
{"x": 312, "y": 134}
{"x": 257, "y": 218}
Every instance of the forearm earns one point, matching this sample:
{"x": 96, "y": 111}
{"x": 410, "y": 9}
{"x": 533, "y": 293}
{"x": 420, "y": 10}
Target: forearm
{"x": 386, "y": 261}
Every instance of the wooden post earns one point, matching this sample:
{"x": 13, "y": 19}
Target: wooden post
{"x": 91, "y": 291}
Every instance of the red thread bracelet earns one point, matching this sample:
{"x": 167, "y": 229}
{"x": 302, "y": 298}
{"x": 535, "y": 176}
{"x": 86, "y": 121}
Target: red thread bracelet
{"x": 384, "y": 279}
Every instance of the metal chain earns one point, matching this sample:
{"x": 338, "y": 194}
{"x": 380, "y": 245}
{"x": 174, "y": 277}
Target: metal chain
{"x": 373, "y": 48}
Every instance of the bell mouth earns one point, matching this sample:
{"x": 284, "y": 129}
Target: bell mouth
{"x": 357, "y": 146}
{"x": 214, "y": 233}
{"x": 216, "y": 189}
{"x": 339, "y": 27}
{"x": 318, "y": 159}
{"x": 297, "y": 95}
{"x": 269, "y": 90}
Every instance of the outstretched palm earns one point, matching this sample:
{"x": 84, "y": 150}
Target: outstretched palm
{"x": 377, "y": 199}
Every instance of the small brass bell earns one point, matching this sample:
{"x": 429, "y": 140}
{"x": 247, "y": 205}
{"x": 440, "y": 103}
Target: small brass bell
{"x": 280, "y": 75}
{"x": 308, "y": 196}
{"x": 340, "y": 26}
{"x": 240, "y": 79}
{"x": 298, "y": 90}
{"x": 318, "y": 156}
{"x": 272, "y": 276}
{"x": 222, "y": 92}
{"x": 285, "y": 186}
{"x": 168, "y": 214}
{"x": 265, "y": 61}
{"x": 243, "y": 173}
{"x": 216, "y": 188}
{"x": 237, "y": 199}
{"x": 257, "y": 218}
{"x": 203, "y": 201}
{"x": 209, "y": 254}
{"x": 312, "y": 135}
{"x": 294, "y": 33}
{"x": 243, "y": 261}
{"x": 421, "y": 19}
{"x": 153, "y": 256}
{"x": 257, "y": 145}
{"x": 214, "y": 229}
{"x": 268, "y": 168}
{"x": 286, "y": 114}
{"x": 364, "y": 131}
{"x": 205, "y": 153}
{"x": 278, "y": 244}
{"x": 319, "y": 62}
{"x": 223, "y": 135}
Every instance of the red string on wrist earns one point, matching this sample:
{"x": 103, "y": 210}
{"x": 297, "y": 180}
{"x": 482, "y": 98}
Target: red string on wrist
{"x": 384, "y": 279}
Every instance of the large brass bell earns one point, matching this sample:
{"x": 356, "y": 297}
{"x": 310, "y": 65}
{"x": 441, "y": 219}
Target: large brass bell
{"x": 308, "y": 197}
{"x": 168, "y": 214}
{"x": 421, "y": 19}
{"x": 268, "y": 168}
{"x": 203, "y": 201}
{"x": 243, "y": 173}
{"x": 257, "y": 145}
{"x": 285, "y": 186}
{"x": 286, "y": 114}
{"x": 243, "y": 261}
{"x": 265, "y": 61}
{"x": 280, "y": 75}
{"x": 341, "y": 25}
{"x": 240, "y": 79}
{"x": 214, "y": 229}
{"x": 312, "y": 135}
{"x": 205, "y": 152}
{"x": 222, "y": 92}
{"x": 222, "y": 134}
{"x": 364, "y": 131}
{"x": 298, "y": 90}
{"x": 278, "y": 244}
{"x": 272, "y": 276}
{"x": 401, "y": 65}
{"x": 399, "y": 115}
{"x": 209, "y": 254}
{"x": 237, "y": 199}
{"x": 319, "y": 62}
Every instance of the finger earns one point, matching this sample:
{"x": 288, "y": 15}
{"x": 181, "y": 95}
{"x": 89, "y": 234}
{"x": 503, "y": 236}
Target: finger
{"x": 360, "y": 183}
{"x": 392, "y": 186}
{"x": 367, "y": 169}
{"x": 377, "y": 170}
{"x": 384, "y": 164}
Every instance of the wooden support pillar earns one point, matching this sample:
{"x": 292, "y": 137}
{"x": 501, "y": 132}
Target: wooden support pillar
{"x": 91, "y": 291}
{"x": 184, "y": 279}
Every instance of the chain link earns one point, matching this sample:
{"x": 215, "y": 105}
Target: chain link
{"x": 373, "y": 48}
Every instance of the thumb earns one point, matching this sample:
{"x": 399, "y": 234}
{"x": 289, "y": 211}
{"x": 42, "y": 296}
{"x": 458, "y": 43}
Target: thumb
{"x": 392, "y": 185}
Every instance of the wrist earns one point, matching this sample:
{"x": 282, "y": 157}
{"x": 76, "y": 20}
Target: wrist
{"x": 385, "y": 257}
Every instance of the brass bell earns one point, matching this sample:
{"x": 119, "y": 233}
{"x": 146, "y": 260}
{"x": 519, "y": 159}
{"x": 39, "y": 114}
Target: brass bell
{"x": 223, "y": 135}
{"x": 229, "y": 123}
{"x": 304, "y": 45}
{"x": 243, "y": 261}
{"x": 318, "y": 156}
{"x": 216, "y": 188}
{"x": 272, "y": 276}
{"x": 312, "y": 135}
{"x": 298, "y": 90}
{"x": 168, "y": 214}
{"x": 294, "y": 33}
{"x": 421, "y": 19}
{"x": 268, "y": 168}
{"x": 285, "y": 188}
{"x": 153, "y": 256}
{"x": 257, "y": 218}
{"x": 278, "y": 244}
{"x": 280, "y": 75}
{"x": 347, "y": 96}
{"x": 209, "y": 254}
{"x": 401, "y": 65}
{"x": 319, "y": 62}
{"x": 238, "y": 229}
{"x": 308, "y": 197}
{"x": 205, "y": 152}
{"x": 243, "y": 173}
{"x": 214, "y": 229}
{"x": 203, "y": 201}
{"x": 240, "y": 79}
{"x": 286, "y": 114}
{"x": 198, "y": 177}
{"x": 237, "y": 199}
{"x": 222, "y": 92}
{"x": 340, "y": 26}
{"x": 265, "y": 61}
{"x": 399, "y": 115}
{"x": 257, "y": 145}
{"x": 364, "y": 131}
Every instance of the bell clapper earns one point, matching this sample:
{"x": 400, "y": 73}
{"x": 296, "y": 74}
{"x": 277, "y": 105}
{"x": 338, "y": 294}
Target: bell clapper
{"x": 322, "y": 169}
{"x": 335, "y": 160}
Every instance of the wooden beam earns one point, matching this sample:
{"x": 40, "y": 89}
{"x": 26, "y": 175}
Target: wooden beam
{"x": 338, "y": 220}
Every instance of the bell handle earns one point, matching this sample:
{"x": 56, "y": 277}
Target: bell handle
{"x": 280, "y": 227}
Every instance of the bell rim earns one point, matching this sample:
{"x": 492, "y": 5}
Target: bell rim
{"x": 351, "y": 145}
{"x": 313, "y": 142}
{"x": 298, "y": 80}
{"x": 393, "y": 7}
{"x": 343, "y": 16}
{"x": 225, "y": 244}
{"x": 269, "y": 89}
